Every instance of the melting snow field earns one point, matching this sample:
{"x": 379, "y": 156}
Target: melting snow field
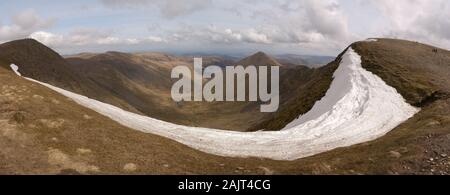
{"x": 358, "y": 107}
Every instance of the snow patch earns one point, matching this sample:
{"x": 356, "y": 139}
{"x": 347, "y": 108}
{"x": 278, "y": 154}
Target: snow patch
{"x": 358, "y": 107}
{"x": 15, "y": 68}
{"x": 370, "y": 40}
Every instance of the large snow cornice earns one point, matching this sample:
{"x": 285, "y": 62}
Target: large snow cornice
{"x": 358, "y": 107}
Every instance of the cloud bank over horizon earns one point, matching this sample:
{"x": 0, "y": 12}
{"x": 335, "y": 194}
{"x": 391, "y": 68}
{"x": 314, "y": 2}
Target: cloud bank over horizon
{"x": 213, "y": 26}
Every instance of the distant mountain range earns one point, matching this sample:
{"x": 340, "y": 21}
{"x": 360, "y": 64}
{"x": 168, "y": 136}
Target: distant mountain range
{"x": 306, "y": 60}
{"x": 311, "y": 61}
{"x": 140, "y": 83}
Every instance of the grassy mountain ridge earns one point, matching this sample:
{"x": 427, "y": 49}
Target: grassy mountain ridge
{"x": 45, "y": 133}
{"x": 416, "y": 70}
{"x": 140, "y": 83}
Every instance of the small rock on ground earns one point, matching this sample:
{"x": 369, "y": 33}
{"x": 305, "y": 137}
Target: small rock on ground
{"x": 394, "y": 154}
{"x": 130, "y": 167}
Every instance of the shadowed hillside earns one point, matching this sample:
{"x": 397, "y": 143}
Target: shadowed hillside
{"x": 45, "y": 133}
{"x": 39, "y": 62}
{"x": 141, "y": 83}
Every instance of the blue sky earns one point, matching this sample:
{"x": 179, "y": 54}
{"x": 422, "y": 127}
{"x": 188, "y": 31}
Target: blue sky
{"x": 322, "y": 27}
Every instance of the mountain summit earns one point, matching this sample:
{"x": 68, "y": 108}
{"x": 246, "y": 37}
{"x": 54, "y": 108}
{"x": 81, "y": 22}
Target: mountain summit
{"x": 39, "y": 62}
{"x": 259, "y": 59}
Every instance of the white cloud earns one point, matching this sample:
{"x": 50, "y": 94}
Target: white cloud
{"x": 216, "y": 34}
{"x": 132, "y": 41}
{"x": 86, "y": 36}
{"x": 23, "y": 24}
{"x": 47, "y": 38}
{"x": 108, "y": 41}
{"x": 253, "y": 36}
{"x": 155, "y": 39}
{"x": 29, "y": 19}
{"x": 308, "y": 23}
{"x": 327, "y": 18}
{"x": 422, "y": 20}
{"x": 168, "y": 8}
{"x": 325, "y": 26}
{"x": 89, "y": 37}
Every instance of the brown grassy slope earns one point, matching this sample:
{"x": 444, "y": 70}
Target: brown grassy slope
{"x": 152, "y": 73}
{"x": 417, "y": 71}
{"x": 141, "y": 83}
{"x": 141, "y": 87}
{"x": 39, "y": 62}
{"x": 43, "y": 132}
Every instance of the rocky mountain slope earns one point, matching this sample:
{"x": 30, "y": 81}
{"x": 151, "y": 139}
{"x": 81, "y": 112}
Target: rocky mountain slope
{"x": 141, "y": 83}
{"x": 44, "y": 132}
